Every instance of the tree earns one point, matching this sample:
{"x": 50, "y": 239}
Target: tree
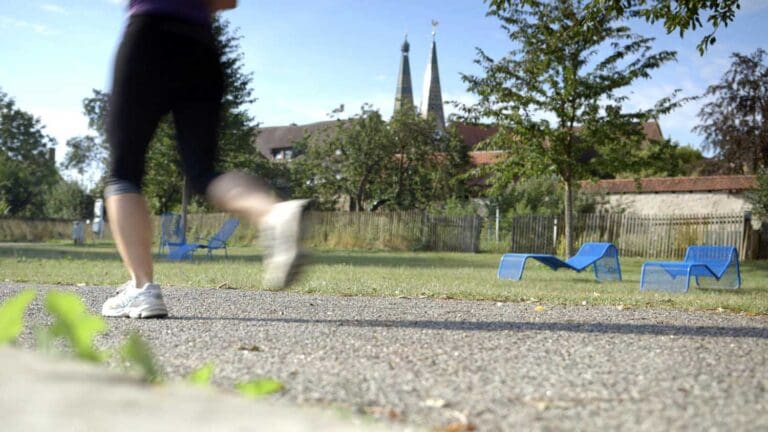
{"x": 26, "y": 167}
{"x": 555, "y": 96}
{"x": 426, "y": 164}
{"x": 90, "y": 153}
{"x": 68, "y": 200}
{"x": 667, "y": 158}
{"x": 677, "y": 15}
{"x": 759, "y": 196}
{"x": 543, "y": 196}
{"x": 347, "y": 162}
{"x": 735, "y": 122}
{"x": 371, "y": 163}
{"x": 164, "y": 180}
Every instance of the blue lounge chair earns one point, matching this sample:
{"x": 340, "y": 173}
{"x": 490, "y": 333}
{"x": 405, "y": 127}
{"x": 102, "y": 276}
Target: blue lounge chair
{"x": 171, "y": 235}
{"x": 218, "y": 241}
{"x": 603, "y": 257}
{"x": 710, "y": 266}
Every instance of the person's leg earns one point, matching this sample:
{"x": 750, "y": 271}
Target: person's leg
{"x": 196, "y": 110}
{"x": 132, "y": 232}
{"x": 242, "y": 194}
{"x": 135, "y": 108}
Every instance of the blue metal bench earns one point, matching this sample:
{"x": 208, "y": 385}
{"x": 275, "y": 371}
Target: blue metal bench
{"x": 603, "y": 257}
{"x": 710, "y": 266}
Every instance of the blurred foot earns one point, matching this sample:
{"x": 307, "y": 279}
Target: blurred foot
{"x": 281, "y": 236}
{"x": 130, "y": 301}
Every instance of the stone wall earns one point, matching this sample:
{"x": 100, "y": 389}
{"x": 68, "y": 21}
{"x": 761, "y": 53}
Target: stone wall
{"x": 666, "y": 203}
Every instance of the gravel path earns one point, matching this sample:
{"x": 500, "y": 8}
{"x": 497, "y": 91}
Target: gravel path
{"x": 497, "y": 366}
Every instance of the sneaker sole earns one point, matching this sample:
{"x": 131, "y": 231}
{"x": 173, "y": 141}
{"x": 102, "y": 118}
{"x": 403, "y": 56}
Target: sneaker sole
{"x": 153, "y": 312}
{"x": 123, "y": 314}
{"x": 293, "y": 273}
{"x": 296, "y": 262}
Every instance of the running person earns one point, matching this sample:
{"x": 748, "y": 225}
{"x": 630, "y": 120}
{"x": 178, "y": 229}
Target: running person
{"x": 167, "y": 62}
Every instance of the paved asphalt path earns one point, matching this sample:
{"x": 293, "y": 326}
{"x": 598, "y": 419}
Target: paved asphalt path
{"x": 438, "y": 363}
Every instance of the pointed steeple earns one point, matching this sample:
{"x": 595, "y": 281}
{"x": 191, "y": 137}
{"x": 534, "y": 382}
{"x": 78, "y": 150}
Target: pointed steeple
{"x": 404, "y": 96}
{"x": 432, "y": 98}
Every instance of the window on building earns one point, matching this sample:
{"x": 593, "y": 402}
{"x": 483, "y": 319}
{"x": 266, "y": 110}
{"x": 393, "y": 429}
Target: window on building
{"x": 284, "y": 153}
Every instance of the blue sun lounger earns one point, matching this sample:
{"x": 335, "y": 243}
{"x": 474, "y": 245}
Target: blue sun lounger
{"x": 710, "y": 266}
{"x": 218, "y": 241}
{"x": 171, "y": 233}
{"x": 603, "y": 257}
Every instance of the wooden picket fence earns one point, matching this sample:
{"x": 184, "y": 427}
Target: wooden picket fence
{"x": 666, "y": 236}
{"x": 634, "y": 235}
{"x": 24, "y": 230}
{"x": 414, "y": 230}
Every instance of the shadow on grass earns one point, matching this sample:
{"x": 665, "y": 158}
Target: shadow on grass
{"x": 357, "y": 259}
{"x": 46, "y": 251}
{"x": 517, "y": 326}
{"x": 92, "y": 253}
{"x": 360, "y": 259}
{"x": 401, "y": 259}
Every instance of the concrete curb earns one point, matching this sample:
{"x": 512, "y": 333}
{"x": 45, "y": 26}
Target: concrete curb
{"x": 45, "y": 393}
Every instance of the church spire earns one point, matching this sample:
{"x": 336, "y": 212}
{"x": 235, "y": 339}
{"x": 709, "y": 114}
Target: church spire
{"x": 432, "y": 98}
{"x": 404, "y": 96}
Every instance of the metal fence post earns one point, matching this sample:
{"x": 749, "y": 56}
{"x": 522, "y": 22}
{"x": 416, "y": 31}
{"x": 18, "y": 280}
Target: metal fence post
{"x": 554, "y": 234}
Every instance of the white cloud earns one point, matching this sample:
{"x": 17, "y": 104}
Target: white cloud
{"x": 53, "y": 8}
{"x": 17, "y": 24}
{"x": 61, "y": 124}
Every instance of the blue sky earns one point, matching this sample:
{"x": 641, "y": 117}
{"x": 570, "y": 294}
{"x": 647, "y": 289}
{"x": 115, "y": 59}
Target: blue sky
{"x": 309, "y": 56}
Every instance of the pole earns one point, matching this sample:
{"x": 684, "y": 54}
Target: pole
{"x": 184, "y": 208}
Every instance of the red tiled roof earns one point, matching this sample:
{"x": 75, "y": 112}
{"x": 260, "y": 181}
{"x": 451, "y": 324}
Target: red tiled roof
{"x": 274, "y": 137}
{"x": 673, "y": 184}
{"x": 479, "y": 158}
{"x": 652, "y": 131}
{"x": 279, "y": 137}
{"x": 473, "y": 134}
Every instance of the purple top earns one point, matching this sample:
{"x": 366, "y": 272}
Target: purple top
{"x": 192, "y": 10}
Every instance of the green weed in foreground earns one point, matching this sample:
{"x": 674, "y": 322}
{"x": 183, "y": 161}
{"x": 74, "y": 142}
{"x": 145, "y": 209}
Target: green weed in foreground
{"x": 259, "y": 388}
{"x": 12, "y": 316}
{"x": 136, "y": 354}
{"x": 202, "y": 376}
{"x": 75, "y": 324}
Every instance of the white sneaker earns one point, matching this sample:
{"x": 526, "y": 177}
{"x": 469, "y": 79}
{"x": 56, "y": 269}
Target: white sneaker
{"x": 281, "y": 236}
{"x": 130, "y": 301}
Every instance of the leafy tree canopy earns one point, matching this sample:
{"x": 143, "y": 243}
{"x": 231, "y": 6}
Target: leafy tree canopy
{"x": 557, "y": 95}
{"x": 759, "y": 196}
{"x": 26, "y": 169}
{"x": 371, "y": 163}
{"x": 676, "y": 16}
{"x": 735, "y": 120}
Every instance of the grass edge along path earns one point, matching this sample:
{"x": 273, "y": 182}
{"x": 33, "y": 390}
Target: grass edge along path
{"x": 385, "y": 274}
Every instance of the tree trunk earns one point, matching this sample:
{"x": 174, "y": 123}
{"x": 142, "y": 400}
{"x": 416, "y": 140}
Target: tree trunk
{"x": 568, "y": 218}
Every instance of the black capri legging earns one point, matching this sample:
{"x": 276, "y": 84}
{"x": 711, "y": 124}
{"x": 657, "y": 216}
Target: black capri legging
{"x": 164, "y": 65}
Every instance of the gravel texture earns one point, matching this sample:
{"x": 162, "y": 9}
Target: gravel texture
{"x": 448, "y": 363}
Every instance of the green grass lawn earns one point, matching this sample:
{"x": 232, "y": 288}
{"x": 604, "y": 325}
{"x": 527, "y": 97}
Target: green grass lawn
{"x": 433, "y": 275}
